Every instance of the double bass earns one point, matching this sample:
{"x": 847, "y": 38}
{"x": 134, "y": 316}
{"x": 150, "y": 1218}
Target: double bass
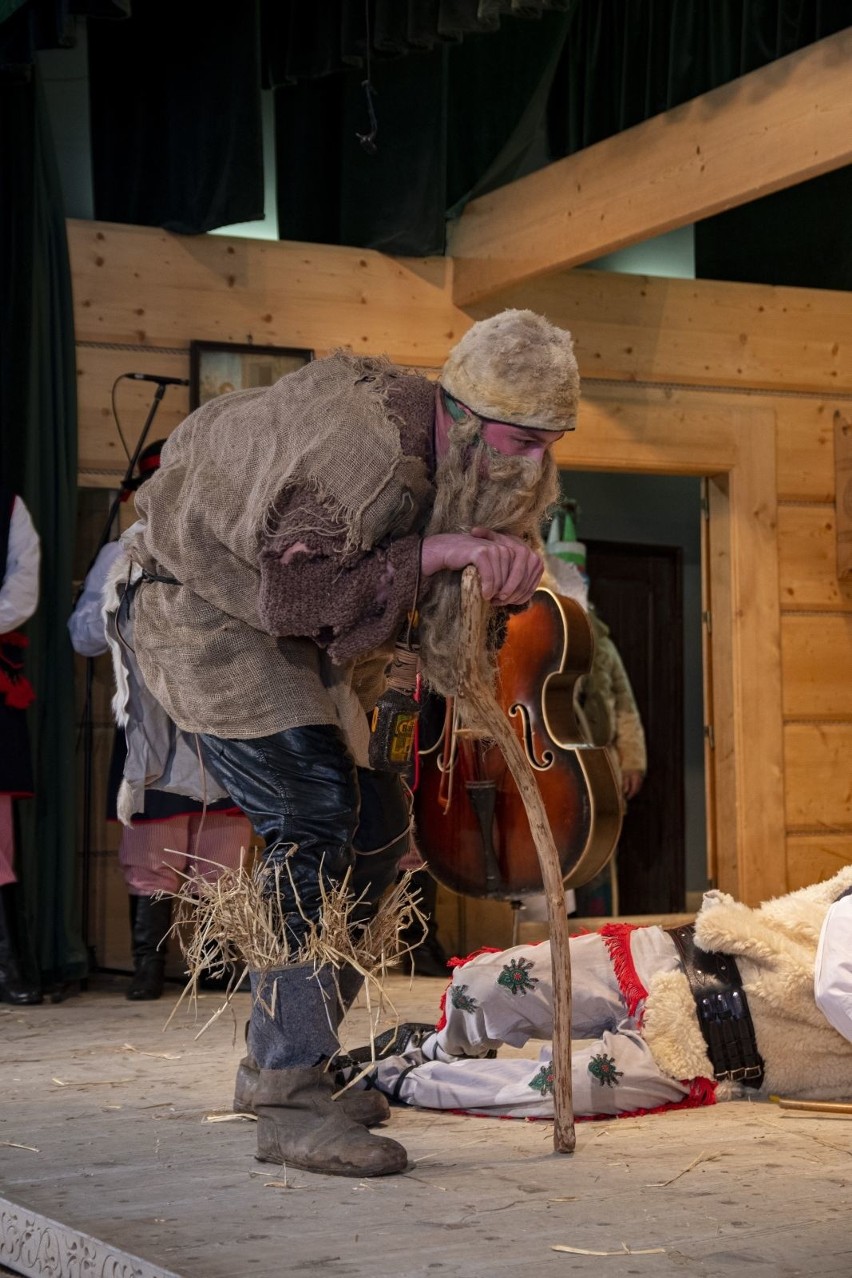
{"x": 472, "y": 826}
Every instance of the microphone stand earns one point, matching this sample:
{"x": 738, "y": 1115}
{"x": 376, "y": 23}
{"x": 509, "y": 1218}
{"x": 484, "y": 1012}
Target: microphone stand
{"x": 88, "y": 727}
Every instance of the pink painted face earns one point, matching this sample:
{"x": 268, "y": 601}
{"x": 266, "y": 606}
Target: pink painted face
{"x": 503, "y": 437}
{"x": 519, "y": 441}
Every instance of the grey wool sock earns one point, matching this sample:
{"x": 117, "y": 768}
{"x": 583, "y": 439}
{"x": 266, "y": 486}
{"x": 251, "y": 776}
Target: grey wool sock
{"x": 302, "y": 1030}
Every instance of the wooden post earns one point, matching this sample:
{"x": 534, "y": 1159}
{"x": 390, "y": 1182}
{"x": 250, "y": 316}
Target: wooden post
{"x": 481, "y": 710}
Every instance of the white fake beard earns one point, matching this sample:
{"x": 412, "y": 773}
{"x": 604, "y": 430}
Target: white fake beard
{"x": 476, "y": 486}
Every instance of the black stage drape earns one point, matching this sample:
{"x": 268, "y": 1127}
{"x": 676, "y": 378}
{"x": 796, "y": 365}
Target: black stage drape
{"x": 176, "y": 115}
{"x": 453, "y": 121}
{"x": 38, "y": 459}
{"x": 468, "y": 95}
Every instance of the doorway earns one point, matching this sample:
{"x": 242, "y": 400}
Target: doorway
{"x": 643, "y": 541}
{"x": 637, "y": 591}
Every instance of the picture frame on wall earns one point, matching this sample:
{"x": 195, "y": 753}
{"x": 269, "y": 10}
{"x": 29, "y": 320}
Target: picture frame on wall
{"x": 217, "y": 368}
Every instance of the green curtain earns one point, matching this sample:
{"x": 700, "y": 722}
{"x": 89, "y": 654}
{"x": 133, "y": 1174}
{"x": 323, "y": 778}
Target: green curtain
{"x": 800, "y": 237}
{"x": 38, "y": 459}
{"x": 626, "y": 60}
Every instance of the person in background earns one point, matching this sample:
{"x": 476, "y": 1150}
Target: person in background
{"x": 604, "y": 697}
{"x": 173, "y": 834}
{"x": 20, "y": 556}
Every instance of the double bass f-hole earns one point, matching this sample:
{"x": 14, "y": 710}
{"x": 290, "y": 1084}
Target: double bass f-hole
{"x": 472, "y": 826}
{"x": 547, "y": 756}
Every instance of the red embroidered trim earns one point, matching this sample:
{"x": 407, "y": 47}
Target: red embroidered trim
{"x": 702, "y": 1091}
{"x": 484, "y": 949}
{"x": 617, "y": 940}
{"x": 15, "y": 639}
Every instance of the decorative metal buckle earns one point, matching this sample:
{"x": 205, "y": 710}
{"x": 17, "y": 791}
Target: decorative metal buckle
{"x": 738, "y": 1075}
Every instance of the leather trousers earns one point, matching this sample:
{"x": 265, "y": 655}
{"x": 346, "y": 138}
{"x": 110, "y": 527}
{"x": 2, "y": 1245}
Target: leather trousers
{"x": 301, "y": 787}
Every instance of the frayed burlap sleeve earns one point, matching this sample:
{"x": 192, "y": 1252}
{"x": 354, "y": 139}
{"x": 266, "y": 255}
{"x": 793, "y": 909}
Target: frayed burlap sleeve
{"x": 351, "y": 436}
{"x": 349, "y": 610}
{"x": 350, "y": 603}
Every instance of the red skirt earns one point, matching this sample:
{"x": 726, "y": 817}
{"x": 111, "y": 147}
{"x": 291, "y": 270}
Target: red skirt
{"x": 16, "y": 771}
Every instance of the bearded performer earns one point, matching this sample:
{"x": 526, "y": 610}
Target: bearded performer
{"x": 748, "y": 1002}
{"x": 283, "y": 543}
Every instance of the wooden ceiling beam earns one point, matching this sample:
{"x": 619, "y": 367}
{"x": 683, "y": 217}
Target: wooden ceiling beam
{"x": 787, "y": 122}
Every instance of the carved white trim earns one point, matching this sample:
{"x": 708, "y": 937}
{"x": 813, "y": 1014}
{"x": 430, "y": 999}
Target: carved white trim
{"x": 37, "y": 1247}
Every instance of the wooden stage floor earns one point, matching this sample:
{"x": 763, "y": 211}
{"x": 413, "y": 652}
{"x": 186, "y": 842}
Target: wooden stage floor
{"x": 111, "y": 1166}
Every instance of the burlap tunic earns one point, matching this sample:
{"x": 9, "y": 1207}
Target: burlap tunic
{"x": 333, "y": 457}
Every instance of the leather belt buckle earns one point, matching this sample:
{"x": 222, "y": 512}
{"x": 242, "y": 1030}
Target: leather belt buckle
{"x": 739, "y": 1075}
{"x": 722, "y": 1010}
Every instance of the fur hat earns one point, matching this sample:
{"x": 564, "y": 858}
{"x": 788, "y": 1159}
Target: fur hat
{"x": 516, "y": 367}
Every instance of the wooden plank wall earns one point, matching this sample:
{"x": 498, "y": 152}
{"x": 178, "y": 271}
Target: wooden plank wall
{"x": 141, "y": 295}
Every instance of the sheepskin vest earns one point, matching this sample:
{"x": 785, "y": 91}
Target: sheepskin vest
{"x": 201, "y": 647}
{"x": 775, "y": 948}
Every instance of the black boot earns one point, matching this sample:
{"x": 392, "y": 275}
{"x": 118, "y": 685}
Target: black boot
{"x": 427, "y": 957}
{"x": 13, "y": 987}
{"x": 150, "y": 919}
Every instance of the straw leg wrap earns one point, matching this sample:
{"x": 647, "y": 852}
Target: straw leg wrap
{"x": 298, "y": 788}
{"x": 320, "y": 817}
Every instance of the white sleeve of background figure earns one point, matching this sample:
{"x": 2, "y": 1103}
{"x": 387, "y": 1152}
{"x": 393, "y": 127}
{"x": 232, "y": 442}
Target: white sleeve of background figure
{"x": 19, "y": 591}
{"x": 86, "y": 623}
{"x": 833, "y": 970}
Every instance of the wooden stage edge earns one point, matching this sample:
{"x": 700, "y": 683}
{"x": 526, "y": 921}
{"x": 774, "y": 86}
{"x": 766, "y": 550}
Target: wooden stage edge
{"x": 34, "y": 1245}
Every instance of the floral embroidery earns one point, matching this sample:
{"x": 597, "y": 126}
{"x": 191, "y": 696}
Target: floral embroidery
{"x": 515, "y": 976}
{"x": 544, "y": 1079}
{"x": 602, "y": 1068}
{"x": 462, "y": 1001}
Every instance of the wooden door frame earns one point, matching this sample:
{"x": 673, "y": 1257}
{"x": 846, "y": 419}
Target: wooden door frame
{"x": 646, "y": 430}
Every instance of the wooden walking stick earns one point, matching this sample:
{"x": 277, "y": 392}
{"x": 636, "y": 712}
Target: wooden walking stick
{"x": 481, "y": 711}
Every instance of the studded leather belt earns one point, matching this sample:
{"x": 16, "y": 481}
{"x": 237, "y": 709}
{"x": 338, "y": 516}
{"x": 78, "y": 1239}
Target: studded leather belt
{"x": 723, "y": 1011}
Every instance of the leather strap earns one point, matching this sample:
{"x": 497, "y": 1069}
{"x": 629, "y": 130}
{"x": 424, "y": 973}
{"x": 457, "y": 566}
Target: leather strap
{"x": 723, "y": 1011}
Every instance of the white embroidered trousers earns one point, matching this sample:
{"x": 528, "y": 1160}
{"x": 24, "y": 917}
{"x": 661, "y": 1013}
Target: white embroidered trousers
{"x": 506, "y": 999}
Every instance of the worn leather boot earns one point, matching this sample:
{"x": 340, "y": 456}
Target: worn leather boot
{"x": 300, "y": 1125}
{"x": 365, "y": 1106}
{"x": 150, "y": 921}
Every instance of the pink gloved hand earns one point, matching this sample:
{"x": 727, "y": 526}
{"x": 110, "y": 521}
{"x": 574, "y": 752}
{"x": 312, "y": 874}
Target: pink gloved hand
{"x": 508, "y": 569}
